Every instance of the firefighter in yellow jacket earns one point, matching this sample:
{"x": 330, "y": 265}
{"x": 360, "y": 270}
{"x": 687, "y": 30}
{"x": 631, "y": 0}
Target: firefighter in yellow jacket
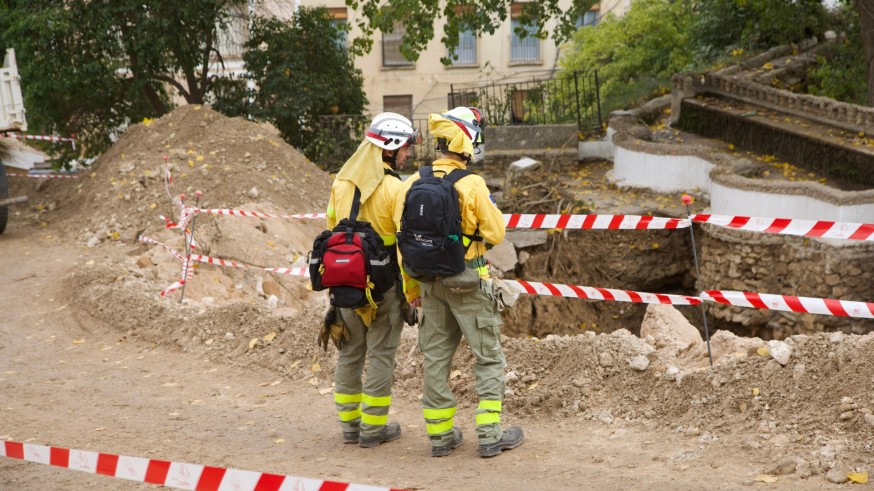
{"x": 447, "y": 315}
{"x": 372, "y": 333}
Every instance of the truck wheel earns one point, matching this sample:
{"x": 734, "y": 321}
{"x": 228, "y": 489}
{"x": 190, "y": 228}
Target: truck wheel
{"x": 4, "y": 193}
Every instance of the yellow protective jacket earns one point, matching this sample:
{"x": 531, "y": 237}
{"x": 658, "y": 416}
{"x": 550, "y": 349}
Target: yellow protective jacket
{"x": 478, "y": 209}
{"x": 378, "y": 208}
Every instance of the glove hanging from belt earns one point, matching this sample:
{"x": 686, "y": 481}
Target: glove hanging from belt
{"x": 335, "y": 329}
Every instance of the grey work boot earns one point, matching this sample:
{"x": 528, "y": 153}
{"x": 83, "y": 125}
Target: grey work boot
{"x": 511, "y": 438}
{"x": 391, "y": 431}
{"x": 444, "y": 450}
{"x": 350, "y": 436}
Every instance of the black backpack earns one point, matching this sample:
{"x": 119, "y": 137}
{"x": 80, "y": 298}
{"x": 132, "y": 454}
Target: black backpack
{"x": 352, "y": 262}
{"x": 430, "y": 239}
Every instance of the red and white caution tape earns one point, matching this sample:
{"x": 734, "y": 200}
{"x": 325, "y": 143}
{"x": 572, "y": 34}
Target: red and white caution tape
{"x": 789, "y": 226}
{"x": 45, "y": 138}
{"x": 234, "y": 264}
{"x": 789, "y": 303}
{"x": 244, "y": 213}
{"x": 590, "y": 293}
{"x": 146, "y": 240}
{"x": 170, "y": 474}
{"x": 594, "y": 222}
{"x": 44, "y": 176}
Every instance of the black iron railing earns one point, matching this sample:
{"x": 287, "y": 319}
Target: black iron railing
{"x": 568, "y": 99}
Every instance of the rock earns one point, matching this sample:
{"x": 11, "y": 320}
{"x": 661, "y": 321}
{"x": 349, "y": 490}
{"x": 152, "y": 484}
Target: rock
{"x": 780, "y": 351}
{"x": 830, "y": 36}
{"x": 639, "y": 363}
{"x": 523, "y": 257}
{"x": 503, "y": 256}
{"x": 144, "y": 261}
{"x": 526, "y": 238}
{"x": 783, "y": 468}
{"x": 271, "y": 287}
{"x": 253, "y": 193}
{"x": 511, "y": 377}
{"x": 94, "y": 241}
{"x": 798, "y": 372}
{"x": 525, "y": 164}
{"x": 803, "y": 469}
{"x": 836, "y": 337}
{"x": 846, "y": 416}
{"x": 837, "y": 475}
{"x": 869, "y": 418}
{"x": 272, "y": 301}
{"x": 666, "y": 325}
{"x": 605, "y": 360}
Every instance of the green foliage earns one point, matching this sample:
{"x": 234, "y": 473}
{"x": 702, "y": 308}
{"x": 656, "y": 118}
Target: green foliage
{"x": 302, "y": 72}
{"x": 721, "y": 26}
{"x": 484, "y": 16}
{"x": 840, "y": 73}
{"x": 635, "y": 56}
{"x": 90, "y": 67}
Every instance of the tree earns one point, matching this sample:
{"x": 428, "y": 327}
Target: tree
{"x": 635, "y": 55}
{"x": 866, "y": 26}
{"x": 484, "y": 16}
{"x": 90, "y": 66}
{"x": 303, "y": 72}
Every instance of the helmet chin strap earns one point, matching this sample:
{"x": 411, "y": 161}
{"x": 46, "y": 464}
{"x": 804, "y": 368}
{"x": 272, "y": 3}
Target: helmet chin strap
{"x": 390, "y": 159}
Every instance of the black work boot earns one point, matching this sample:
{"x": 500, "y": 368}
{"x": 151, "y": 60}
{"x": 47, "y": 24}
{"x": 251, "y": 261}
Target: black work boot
{"x": 511, "y": 438}
{"x": 391, "y": 431}
{"x": 351, "y": 435}
{"x": 444, "y": 450}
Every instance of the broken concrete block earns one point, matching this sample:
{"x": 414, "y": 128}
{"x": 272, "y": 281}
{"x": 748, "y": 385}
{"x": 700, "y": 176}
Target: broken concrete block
{"x": 503, "y": 256}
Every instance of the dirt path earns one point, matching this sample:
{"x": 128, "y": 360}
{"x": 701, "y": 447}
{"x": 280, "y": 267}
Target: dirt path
{"x": 68, "y": 380}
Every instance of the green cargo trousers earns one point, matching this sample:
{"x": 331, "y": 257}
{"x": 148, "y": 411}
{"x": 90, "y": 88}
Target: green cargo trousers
{"x": 364, "y": 406}
{"x": 447, "y": 316}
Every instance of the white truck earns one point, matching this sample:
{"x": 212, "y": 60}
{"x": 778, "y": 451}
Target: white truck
{"x": 11, "y": 120}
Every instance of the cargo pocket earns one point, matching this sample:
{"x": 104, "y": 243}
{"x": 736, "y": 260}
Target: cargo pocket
{"x": 490, "y": 336}
{"x": 395, "y": 324}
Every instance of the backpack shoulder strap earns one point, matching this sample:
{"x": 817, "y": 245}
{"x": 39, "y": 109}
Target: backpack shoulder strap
{"x": 356, "y": 201}
{"x": 426, "y": 171}
{"x": 457, "y": 175}
{"x": 389, "y": 172}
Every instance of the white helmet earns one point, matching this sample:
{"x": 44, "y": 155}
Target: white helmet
{"x": 391, "y": 131}
{"x": 470, "y": 120}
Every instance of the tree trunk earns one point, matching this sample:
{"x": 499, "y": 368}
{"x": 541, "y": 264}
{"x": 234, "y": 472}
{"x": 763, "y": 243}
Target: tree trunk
{"x": 866, "y": 23}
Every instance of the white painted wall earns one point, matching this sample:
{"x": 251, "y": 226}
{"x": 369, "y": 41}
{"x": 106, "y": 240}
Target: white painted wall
{"x": 662, "y": 173}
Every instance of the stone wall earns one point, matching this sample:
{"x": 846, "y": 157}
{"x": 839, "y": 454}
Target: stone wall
{"x": 536, "y": 137}
{"x": 785, "y": 265}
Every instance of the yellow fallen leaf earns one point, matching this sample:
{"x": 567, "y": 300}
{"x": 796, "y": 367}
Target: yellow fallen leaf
{"x": 766, "y": 478}
{"x": 763, "y": 351}
{"x": 199, "y": 158}
{"x": 270, "y": 336}
{"x": 455, "y": 374}
{"x": 532, "y": 386}
{"x": 279, "y": 441}
{"x": 755, "y": 391}
{"x": 315, "y": 368}
{"x": 858, "y": 477}
{"x": 253, "y": 342}
{"x": 78, "y": 341}
{"x": 153, "y": 206}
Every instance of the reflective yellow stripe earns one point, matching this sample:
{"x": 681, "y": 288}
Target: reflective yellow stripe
{"x": 389, "y": 239}
{"x": 488, "y": 418}
{"x": 376, "y": 401}
{"x": 437, "y": 428}
{"x": 482, "y": 270}
{"x": 370, "y": 419}
{"x": 494, "y": 406}
{"x": 349, "y": 415}
{"x": 330, "y": 212}
{"x": 446, "y": 413}
{"x": 465, "y": 240}
{"x": 346, "y": 398}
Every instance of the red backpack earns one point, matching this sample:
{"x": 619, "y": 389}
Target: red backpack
{"x": 352, "y": 262}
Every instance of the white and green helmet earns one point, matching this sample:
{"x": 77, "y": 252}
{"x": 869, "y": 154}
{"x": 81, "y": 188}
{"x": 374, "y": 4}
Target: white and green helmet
{"x": 469, "y": 119}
